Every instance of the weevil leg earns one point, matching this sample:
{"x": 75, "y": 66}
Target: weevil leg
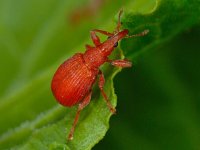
{"x": 88, "y": 47}
{"x": 95, "y": 38}
{"x": 121, "y": 63}
{"x": 117, "y": 29}
{"x": 101, "y": 85}
{"x": 82, "y": 105}
{"x": 103, "y": 32}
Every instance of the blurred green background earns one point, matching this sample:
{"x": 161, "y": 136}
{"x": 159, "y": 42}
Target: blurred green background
{"x": 158, "y": 104}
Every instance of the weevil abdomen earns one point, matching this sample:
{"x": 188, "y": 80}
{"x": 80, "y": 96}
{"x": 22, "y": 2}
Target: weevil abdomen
{"x": 72, "y": 81}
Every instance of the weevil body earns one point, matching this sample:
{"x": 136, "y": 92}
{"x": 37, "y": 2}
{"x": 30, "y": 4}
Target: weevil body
{"x": 72, "y": 83}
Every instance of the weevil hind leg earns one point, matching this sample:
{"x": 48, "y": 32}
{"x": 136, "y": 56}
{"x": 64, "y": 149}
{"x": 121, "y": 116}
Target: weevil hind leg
{"x": 81, "y": 105}
{"x": 101, "y": 85}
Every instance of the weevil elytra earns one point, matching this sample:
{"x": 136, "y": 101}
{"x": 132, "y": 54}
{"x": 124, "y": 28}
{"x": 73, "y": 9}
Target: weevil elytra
{"x": 72, "y": 82}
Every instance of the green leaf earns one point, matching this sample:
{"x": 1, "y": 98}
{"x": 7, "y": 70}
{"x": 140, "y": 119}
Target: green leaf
{"x": 167, "y": 19}
{"x": 33, "y": 31}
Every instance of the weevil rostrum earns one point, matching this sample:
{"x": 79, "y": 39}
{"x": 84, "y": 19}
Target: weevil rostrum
{"x": 72, "y": 82}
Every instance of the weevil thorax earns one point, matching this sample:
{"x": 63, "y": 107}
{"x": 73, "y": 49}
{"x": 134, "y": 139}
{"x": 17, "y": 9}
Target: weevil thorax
{"x": 93, "y": 58}
{"x": 97, "y": 56}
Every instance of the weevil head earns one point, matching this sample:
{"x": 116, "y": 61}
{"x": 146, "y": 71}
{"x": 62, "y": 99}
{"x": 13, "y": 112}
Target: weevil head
{"x": 116, "y": 44}
{"x": 108, "y": 46}
{"x": 117, "y": 37}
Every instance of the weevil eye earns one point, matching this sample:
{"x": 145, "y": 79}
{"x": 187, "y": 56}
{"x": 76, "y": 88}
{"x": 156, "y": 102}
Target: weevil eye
{"x": 116, "y": 44}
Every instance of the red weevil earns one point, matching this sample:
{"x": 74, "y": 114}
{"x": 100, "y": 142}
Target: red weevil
{"x": 72, "y": 83}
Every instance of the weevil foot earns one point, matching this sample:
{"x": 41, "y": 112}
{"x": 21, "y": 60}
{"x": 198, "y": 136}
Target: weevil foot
{"x": 113, "y": 110}
{"x": 70, "y": 137}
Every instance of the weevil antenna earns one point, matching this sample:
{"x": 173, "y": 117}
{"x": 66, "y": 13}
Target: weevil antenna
{"x": 143, "y": 33}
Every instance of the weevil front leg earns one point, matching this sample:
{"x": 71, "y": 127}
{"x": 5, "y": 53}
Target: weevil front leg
{"x": 82, "y": 105}
{"x": 88, "y": 47}
{"x": 119, "y": 22}
{"x": 121, "y": 63}
{"x": 95, "y": 38}
{"x": 116, "y": 30}
{"x": 101, "y": 85}
{"x": 103, "y": 32}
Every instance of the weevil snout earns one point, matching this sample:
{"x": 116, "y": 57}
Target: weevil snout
{"x": 116, "y": 44}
